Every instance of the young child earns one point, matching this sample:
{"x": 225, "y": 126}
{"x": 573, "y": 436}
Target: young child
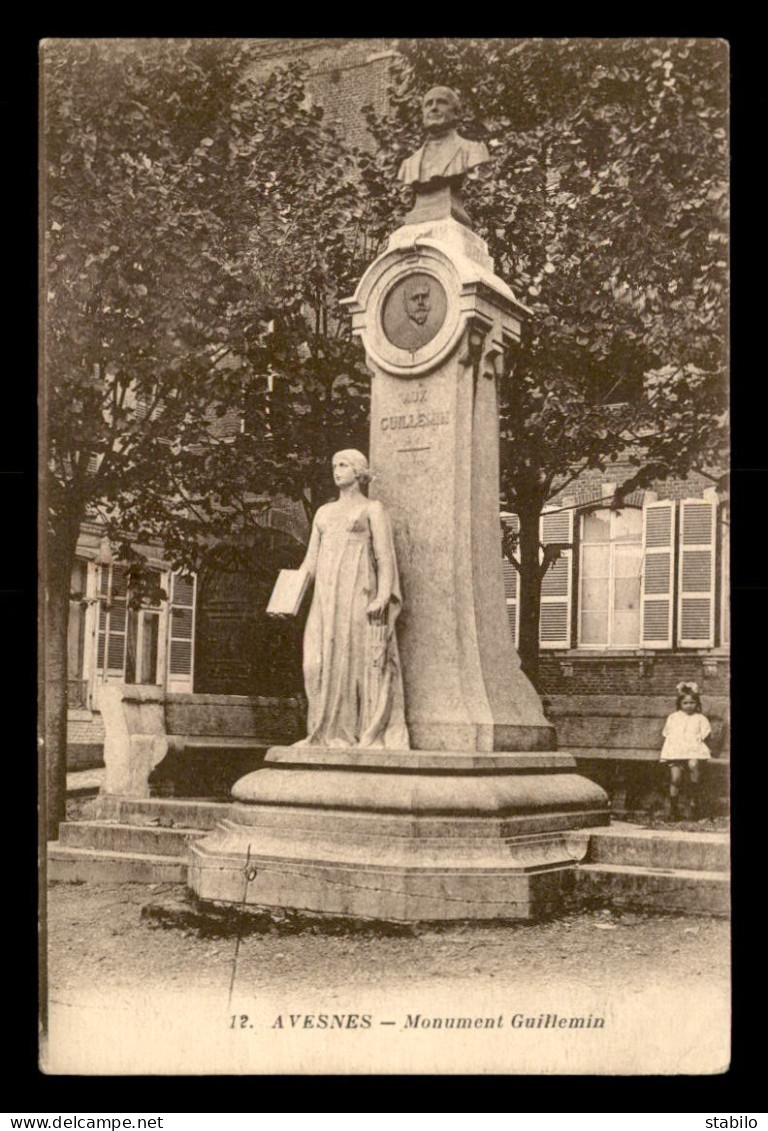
{"x": 685, "y": 733}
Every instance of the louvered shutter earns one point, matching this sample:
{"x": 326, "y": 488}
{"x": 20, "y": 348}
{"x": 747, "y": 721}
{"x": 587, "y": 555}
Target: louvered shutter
{"x": 696, "y": 575}
{"x": 555, "y": 613}
{"x": 103, "y": 588}
{"x": 112, "y": 621}
{"x": 658, "y": 574}
{"x": 725, "y": 579}
{"x": 181, "y": 633}
{"x": 511, "y": 581}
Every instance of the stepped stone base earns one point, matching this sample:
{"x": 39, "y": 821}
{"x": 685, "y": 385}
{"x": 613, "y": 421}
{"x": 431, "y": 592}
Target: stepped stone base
{"x": 373, "y": 841}
{"x": 89, "y": 865}
{"x": 675, "y": 890}
{"x": 166, "y": 812}
{"x": 146, "y": 841}
{"x": 420, "y": 870}
{"x": 108, "y": 837}
{"x": 630, "y": 846}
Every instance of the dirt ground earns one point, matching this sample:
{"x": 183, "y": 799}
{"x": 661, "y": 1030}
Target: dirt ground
{"x": 135, "y": 973}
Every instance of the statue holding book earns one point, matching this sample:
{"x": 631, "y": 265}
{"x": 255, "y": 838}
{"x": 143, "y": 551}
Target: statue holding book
{"x": 352, "y": 670}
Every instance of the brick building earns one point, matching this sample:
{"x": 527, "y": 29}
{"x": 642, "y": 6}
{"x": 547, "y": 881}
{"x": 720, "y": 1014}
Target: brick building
{"x": 343, "y": 75}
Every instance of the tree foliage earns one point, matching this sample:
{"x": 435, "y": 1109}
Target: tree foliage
{"x": 186, "y": 275}
{"x": 189, "y": 283}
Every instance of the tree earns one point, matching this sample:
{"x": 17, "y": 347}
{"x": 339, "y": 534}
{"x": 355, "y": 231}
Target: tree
{"x": 605, "y": 209}
{"x": 200, "y": 229}
{"x": 187, "y": 281}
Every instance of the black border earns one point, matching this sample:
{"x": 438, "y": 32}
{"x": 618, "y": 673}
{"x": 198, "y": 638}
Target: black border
{"x": 27, "y": 1089}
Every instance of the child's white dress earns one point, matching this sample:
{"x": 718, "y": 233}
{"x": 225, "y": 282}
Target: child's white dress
{"x": 684, "y": 737}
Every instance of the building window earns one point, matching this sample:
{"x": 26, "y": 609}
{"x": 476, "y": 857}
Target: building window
{"x": 77, "y": 683}
{"x": 725, "y": 578}
{"x": 511, "y": 525}
{"x": 142, "y": 646}
{"x": 555, "y": 534}
{"x": 610, "y": 576}
{"x": 654, "y": 577}
{"x": 181, "y": 633}
{"x": 696, "y": 574}
{"x": 112, "y": 619}
{"x": 556, "y": 538}
{"x": 76, "y": 631}
{"x": 129, "y": 638}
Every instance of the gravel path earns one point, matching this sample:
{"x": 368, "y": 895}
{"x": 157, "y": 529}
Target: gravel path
{"x": 127, "y": 992}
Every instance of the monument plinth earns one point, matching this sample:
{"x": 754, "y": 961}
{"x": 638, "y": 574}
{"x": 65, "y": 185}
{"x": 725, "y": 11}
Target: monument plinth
{"x": 480, "y": 817}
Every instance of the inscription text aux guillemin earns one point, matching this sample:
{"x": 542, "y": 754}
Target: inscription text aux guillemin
{"x": 414, "y": 420}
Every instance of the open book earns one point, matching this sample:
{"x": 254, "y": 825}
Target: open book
{"x": 288, "y": 593}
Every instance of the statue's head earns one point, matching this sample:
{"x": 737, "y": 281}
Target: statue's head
{"x": 440, "y": 109}
{"x": 355, "y": 460}
{"x": 417, "y": 299}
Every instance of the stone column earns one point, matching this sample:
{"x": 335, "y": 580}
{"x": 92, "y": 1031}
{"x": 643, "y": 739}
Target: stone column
{"x": 434, "y": 451}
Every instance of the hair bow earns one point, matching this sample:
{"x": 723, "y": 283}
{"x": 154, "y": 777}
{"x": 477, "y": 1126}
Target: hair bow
{"x": 683, "y": 687}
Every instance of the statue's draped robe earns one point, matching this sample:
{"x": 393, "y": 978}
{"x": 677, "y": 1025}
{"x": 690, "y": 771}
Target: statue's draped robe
{"x": 352, "y": 671}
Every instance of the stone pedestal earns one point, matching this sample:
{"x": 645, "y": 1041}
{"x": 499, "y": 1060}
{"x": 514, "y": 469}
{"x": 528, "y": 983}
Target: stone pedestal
{"x": 409, "y": 835}
{"x": 135, "y": 739}
{"x": 481, "y": 818}
{"x": 435, "y": 452}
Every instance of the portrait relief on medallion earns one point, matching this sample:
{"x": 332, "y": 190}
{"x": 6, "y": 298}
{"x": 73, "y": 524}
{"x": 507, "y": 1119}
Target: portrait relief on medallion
{"x": 414, "y": 311}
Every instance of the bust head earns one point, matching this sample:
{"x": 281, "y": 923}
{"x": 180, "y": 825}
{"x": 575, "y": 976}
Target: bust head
{"x": 350, "y": 461}
{"x": 440, "y": 108}
{"x": 417, "y": 299}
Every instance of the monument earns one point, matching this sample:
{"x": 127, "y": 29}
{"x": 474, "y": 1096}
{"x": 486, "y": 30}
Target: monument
{"x": 455, "y": 803}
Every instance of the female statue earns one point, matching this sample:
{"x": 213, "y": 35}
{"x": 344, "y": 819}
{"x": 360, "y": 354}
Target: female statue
{"x": 351, "y": 666}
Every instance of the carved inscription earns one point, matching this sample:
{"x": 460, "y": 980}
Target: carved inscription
{"x": 414, "y": 420}
{"x": 415, "y": 396}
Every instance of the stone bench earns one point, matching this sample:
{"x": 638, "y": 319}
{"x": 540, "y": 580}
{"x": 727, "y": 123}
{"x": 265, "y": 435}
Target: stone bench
{"x": 187, "y": 744}
{"x": 617, "y": 739}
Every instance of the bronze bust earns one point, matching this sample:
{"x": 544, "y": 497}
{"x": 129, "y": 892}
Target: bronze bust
{"x": 445, "y": 155}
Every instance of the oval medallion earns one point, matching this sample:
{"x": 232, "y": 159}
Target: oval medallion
{"x": 414, "y": 310}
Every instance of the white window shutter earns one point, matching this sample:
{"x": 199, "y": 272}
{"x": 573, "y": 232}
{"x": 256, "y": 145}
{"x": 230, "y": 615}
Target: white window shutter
{"x": 725, "y": 579}
{"x": 696, "y": 575}
{"x": 512, "y": 581}
{"x": 181, "y": 633}
{"x": 658, "y": 574}
{"x": 556, "y": 584}
{"x": 112, "y": 623}
{"x": 91, "y": 621}
{"x": 118, "y": 616}
{"x": 103, "y": 594}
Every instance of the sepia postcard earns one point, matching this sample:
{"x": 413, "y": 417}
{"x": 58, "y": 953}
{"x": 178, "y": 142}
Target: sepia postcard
{"x": 422, "y": 345}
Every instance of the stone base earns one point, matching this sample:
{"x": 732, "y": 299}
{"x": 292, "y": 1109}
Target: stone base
{"x": 376, "y": 842}
{"x": 438, "y": 203}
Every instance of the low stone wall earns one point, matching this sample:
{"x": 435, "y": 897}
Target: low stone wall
{"x": 628, "y": 725}
{"x": 85, "y": 739}
{"x": 275, "y": 720}
{"x": 85, "y": 755}
{"x": 189, "y": 745}
{"x": 617, "y": 739}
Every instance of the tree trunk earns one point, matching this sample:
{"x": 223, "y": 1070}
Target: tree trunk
{"x": 58, "y": 572}
{"x": 530, "y": 592}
